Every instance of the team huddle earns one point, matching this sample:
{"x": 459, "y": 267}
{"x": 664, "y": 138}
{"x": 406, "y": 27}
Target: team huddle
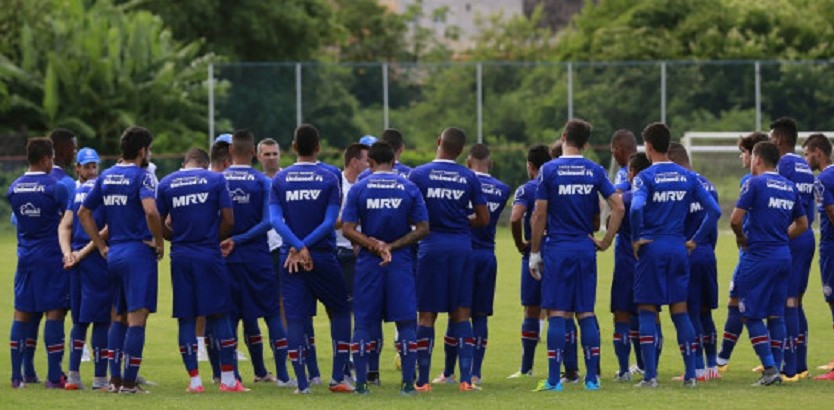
{"x": 380, "y": 242}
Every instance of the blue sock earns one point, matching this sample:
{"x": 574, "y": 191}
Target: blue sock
{"x": 188, "y": 345}
{"x": 407, "y": 347}
{"x": 425, "y": 345}
{"x": 634, "y": 335}
{"x": 255, "y": 345}
{"x": 278, "y": 342}
{"x": 213, "y": 352}
{"x": 115, "y": 348}
{"x": 98, "y": 341}
{"x": 710, "y": 338}
{"x": 569, "y": 355}
{"x": 32, "y": 328}
{"x": 686, "y": 342}
{"x": 481, "y": 333}
{"x": 622, "y": 346}
{"x": 732, "y": 330}
{"x": 311, "y": 360}
{"x": 648, "y": 333}
{"x": 340, "y": 334}
{"x": 761, "y": 342}
{"x": 376, "y": 339}
{"x": 17, "y": 344}
{"x": 78, "y": 336}
{"x": 802, "y": 342}
{"x": 53, "y": 338}
{"x": 590, "y": 345}
{"x": 776, "y": 330}
{"x": 530, "y": 338}
{"x": 555, "y": 346}
{"x": 695, "y": 320}
{"x": 134, "y": 344}
{"x": 792, "y": 327}
{"x": 450, "y": 350}
{"x": 361, "y": 348}
{"x": 658, "y": 344}
{"x": 466, "y": 343}
{"x": 297, "y": 339}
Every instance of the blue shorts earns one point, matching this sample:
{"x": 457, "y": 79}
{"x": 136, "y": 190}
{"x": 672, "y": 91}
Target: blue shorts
{"x": 531, "y": 289}
{"x": 200, "y": 284}
{"x": 96, "y": 299}
{"x": 133, "y": 268}
{"x": 323, "y": 283}
{"x": 622, "y": 286}
{"x": 41, "y": 283}
{"x": 485, "y": 269}
{"x": 762, "y": 283}
{"x": 703, "y": 279}
{"x": 384, "y": 292}
{"x": 802, "y": 254}
{"x": 444, "y": 280}
{"x": 661, "y": 276}
{"x": 255, "y": 288}
{"x": 277, "y": 262}
{"x": 827, "y": 270}
{"x": 569, "y": 277}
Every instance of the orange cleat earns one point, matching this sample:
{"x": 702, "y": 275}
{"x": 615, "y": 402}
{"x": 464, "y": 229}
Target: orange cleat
{"x": 195, "y": 390}
{"x": 238, "y": 388}
{"x": 422, "y": 389}
{"x": 827, "y": 376}
{"x": 465, "y": 386}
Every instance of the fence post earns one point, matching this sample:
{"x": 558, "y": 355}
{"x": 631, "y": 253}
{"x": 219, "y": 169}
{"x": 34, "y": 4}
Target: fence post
{"x": 663, "y": 92}
{"x": 298, "y": 116}
{"x": 758, "y": 96}
{"x": 211, "y": 104}
{"x": 570, "y": 90}
{"x": 385, "y": 95}
{"x": 480, "y": 103}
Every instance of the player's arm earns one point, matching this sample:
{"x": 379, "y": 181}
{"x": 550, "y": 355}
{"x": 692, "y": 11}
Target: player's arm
{"x": 154, "y": 222}
{"x": 481, "y": 218}
{"x": 227, "y": 222}
{"x": 516, "y": 220}
{"x": 615, "y": 202}
{"x": 537, "y": 225}
{"x": 85, "y": 216}
{"x": 276, "y": 215}
{"x": 90, "y": 246}
{"x": 736, "y": 221}
{"x": 227, "y": 213}
{"x": 325, "y": 227}
{"x": 420, "y": 231}
{"x": 164, "y": 215}
{"x": 798, "y": 226}
{"x": 713, "y": 212}
{"x": 65, "y": 238}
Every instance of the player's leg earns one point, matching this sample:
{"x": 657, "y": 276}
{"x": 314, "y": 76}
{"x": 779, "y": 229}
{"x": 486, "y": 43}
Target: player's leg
{"x": 78, "y": 335}
{"x": 808, "y": 247}
{"x": 53, "y": 337}
{"x": 425, "y": 345}
{"x": 311, "y": 361}
{"x": 557, "y": 298}
{"x": 297, "y": 302}
{"x": 450, "y": 355}
{"x": 634, "y": 335}
{"x": 188, "y": 350}
{"x": 570, "y": 355}
{"x": 373, "y": 357}
{"x": 826, "y": 262}
{"x": 255, "y": 346}
{"x": 278, "y": 342}
{"x": 584, "y": 303}
{"x": 792, "y": 327}
{"x": 98, "y": 340}
{"x": 483, "y": 297}
{"x": 622, "y": 345}
{"x": 530, "y": 325}
{"x": 407, "y": 348}
{"x": 17, "y": 340}
{"x": 31, "y": 345}
{"x": 480, "y": 331}
{"x": 432, "y": 296}
{"x": 622, "y": 304}
{"x": 368, "y": 304}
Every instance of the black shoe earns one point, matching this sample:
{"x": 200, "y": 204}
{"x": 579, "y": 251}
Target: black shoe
{"x": 373, "y": 378}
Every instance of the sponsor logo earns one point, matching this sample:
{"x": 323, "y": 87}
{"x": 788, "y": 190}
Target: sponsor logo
{"x": 303, "y": 195}
{"x": 30, "y": 210}
{"x": 240, "y": 196}
{"x": 779, "y": 203}
{"x": 115, "y": 200}
{"x": 232, "y": 175}
{"x": 447, "y": 176}
{"x": 668, "y": 196}
{"x": 444, "y": 193}
{"x": 190, "y": 199}
{"x": 576, "y": 189}
{"x": 115, "y": 179}
{"x": 28, "y": 187}
{"x": 384, "y": 203}
{"x": 186, "y": 181}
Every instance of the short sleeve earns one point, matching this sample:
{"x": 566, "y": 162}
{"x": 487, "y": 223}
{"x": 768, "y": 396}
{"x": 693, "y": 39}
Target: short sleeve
{"x": 518, "y": 198}
{"x": 543, "y": 192}
{"x": 93, "y": 199}
{"x": 476, "y": 193}
{"x": 334, "y": 193}
{"x": 161, "y": 200}
{"x": 798, "y": 210}
{"x": 605, "y": 186}
{"x": 147, "y": 188}
{"x": 275, "y": 191}
{"x": 419, "y": 212}
{"x": 746, "y": 196}
{"x": 350, "y": 210}
{"x": 224, "y": 196}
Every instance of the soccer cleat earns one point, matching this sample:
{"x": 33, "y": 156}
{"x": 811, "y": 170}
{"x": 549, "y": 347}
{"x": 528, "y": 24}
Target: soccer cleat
{"x": 803, "y": 374}
{"x": 398, "y": 362}
{"x": 132, "y": 390}
{"x": 60, "y": 384}
{"x": 341, "y": 387}
{"x": 362, "y": 389}
{"x": 422, "y": 389}
{"x": 144, "y": 382}
{"x": 113, "y": 388}
{"x": 827, "y": 366}
{"x": 591, "y": 385}
{"x": 18, "y": 384}
{"x": 690, "y": 383}
{"x": 443, "y": 379}
{"x": 373, "y": 379}
{"x": 240, "y": 356}
{"x": 315, "y": 381}
{"x": 571, "y": 377}
{"x": 288, "y": 383}
{"x": 237, "y": 388}
{"x": 622, "y": 378}
{"x": 723, "y": 368}
{"x": 634, "y": 370}
{"x": 32, "y": 380}
{"x": 195, "y": 390}
{"x": 758, "y": 369}
{"x": 305, "y": 391}
{"x": 545, "y": 386}
{"x": 713, "y": 373}
{"x": 790, "y": 379}
{"x": 476, "y": 380}
{"x": 769, "y": 377}
{"x": 651, "y": 384}
{"x": 267, "y": 378}
{"x": 408, "y": 390}
{"x": 74, "y": 386}
{"x": 519, "y": 374}
{"x": 827, "y": 376}
{"x": 464, "y": 386}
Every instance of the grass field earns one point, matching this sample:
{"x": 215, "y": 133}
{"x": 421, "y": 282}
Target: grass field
{"x": 163, "y": 364}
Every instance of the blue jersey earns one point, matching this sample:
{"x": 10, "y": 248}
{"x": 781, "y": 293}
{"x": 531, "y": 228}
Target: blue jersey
{"x": 795, "y": 169}
{"x": 38, "y": 201}
{"x": 572, "y": 185}
{"x": 621, "y": 179}
{"x": 385, "y": 205}
{"x": 61, "y": 176}
{"x": 304, "y": 191}
{"x": 772, "y": 204}
{"x": 525, "y": 196}
{"x": 249, "y": 189}
{"x": 825, "y": 197}
{"x": 399, "y": 168}
{"x": 194, "y": 197}
{"x": 622, "y": 245}
{"x": 496, "y": 193}
{"x": 80, "y": 238}
{"x": 697, "y": 213}
{"x": 120, "y": 190}
{"x": 334, "y": 170}
{"x": 448, "y": 188}
{"x": 663, "y": 194}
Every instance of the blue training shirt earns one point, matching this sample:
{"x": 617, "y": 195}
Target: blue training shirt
{"x": 38, "y": 201}
{"x": 697, "y": 213}
{"x": 621, "y": 179}
{"x": 80, "y": 238}
{"x": 772, "y": 204}
{"x": 194, "y": 197}
{"x": 249, "y": 190}
{"x": 525, "y": 196}
{"x": 120, "y": 190}
{"x": 622, "y": 244}
{"x": 795, "y": 169}
{"x": 496, "y": 194}
{"x": 61, "y": 176}
{"x": 304, "y": 192}
{"x": 825, "y": 197}
{"x": 399, "y": 168}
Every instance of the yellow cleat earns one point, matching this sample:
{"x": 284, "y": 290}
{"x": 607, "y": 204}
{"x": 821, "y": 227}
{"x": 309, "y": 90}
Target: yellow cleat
{"x": 803, "y": 374}
{"x": 786, "y": 379}
{"x": 398, "y": 362}
{"x": 723, "y": 368}
{"x": 758, "y": 369}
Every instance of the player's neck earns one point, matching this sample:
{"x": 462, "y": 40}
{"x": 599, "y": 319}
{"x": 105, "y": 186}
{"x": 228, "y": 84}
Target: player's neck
{"x": 135, "y": 161}
{"x": 306, "y": 158}
{"x": 350, "y": 174}
{"x": 569, "y": 150}
{"x": 242, "y": 161}
{"x": 656, "y": 157}
{"x": 38, "y": 168}
{"x": 784, "y": 150}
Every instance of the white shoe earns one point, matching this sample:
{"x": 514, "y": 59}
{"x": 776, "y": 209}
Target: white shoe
{"x": 241, "y": 357}
{"x": 315, "y": 381}
{"x": 289, "y": 383}
{"x": 87, "y": 356}
{"x": 202, "y": 353}
{"x": 634, "y": 370}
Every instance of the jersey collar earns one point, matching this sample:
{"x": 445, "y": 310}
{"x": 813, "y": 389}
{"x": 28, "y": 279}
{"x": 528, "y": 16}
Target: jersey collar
{"x": 308, "y": 163}
{"x": 793, "y": 154}
{"x": 240, "y": 166}
{"x": 571, "y": 156}
{"x": 771, "y": 173}
{"x": 449, "y": 161}
{"x": 483, "y": 174}
{"x": 126, "y": 164}
{"x": 34, "y": 173}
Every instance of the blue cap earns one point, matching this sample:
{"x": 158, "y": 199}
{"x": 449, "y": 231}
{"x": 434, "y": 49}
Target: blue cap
{"x": 367, "y": 140}
{"x": 86, "y": 155}
{"x": 227, "y": 138}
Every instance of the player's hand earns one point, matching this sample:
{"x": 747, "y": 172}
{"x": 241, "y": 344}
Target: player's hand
{"x": 227, "y": 246}
{"x": 69, "y": 260}
{"x": 306, "y": 259}
{"x": 691, "y": 245}
{"x": 104, "y": 251}
{"x": 522, "y": 246}
{"x": 635, "y": 246}
{"x": 601, "y": 244}
{"x": 384, "y": 252}
{"x": 292, "y": 261}
{"x": 159, "y": 248}
{"x": 535, "y": 265}
{"x": 741, "y": 241}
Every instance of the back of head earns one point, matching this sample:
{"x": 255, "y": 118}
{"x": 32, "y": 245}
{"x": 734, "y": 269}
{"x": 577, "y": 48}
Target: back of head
{"x": 657, "y": 134}
{"x": 306, "y": 139}
{"x": 818, "y": 142}
{"x": 538, "y": 155}
{"x": 354, "y": 151}
{"x": 243, "y": 143}
{"x": 62, "y": 140}
{"x": 381, "y": 152}
{"x": 134, "y": 139}
{"x": 785, "y": 128}
{"x": 625, "y": 140}
{"x": 577, "y": 133}
{"x": 393, "y": 137}
{"x": 556, "y": 150}
{"x": 638, "y": 162}
{"x": 37, "y": 149}
{"x": 220, "y": 153}
{"x": 677, "y": 154}
{"x": 452, "y": 140}
{"x": 197, "y": 157}
{"x": 747, "y": 142}
{"x": 768, "y": 152}
{"x": 479, "y": 152}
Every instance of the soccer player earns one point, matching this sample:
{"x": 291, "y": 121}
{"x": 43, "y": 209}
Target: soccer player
{"x": 568, "y": 189}
{"x": 622, "y": 287}
{"x": 386, "y": 205}
{"x": 444, "y": 275}
{"x": 531, "y": 293}
{"x": 703, "y": 275}
{"x": 356, "y": 161}
{"x": 269, "y": 155}
{"x": 775, "y": 212}
{"x": 733, "y": 326}
{"x": 623, "y": 146}
{"x": 127, "y": 192}
{"x": 90, "y": 286}
{"x": 304, "y": 206}
{"x": 38, "y": 200}
{"x": 247, "y": 257}
{"x": 663, "y": 194}
{"x": 783, "y": 133}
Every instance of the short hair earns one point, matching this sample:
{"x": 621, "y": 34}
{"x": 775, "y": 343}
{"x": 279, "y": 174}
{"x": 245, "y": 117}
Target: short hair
{"x": 134, "y": 139}
{"x": 677, "y": 154}
{"x": 269, "y": 142}
{"x": 785, "y": 127}
{"x": 61, "y": 139}
{"x": 768, "y": 152}
{"x": 243, "y": 141}
{"x": 382, "y": 152}
{"x": 306, "y": 139}
{"x": 556, "y": 149}
{"x": 577, "y": 132}
{"x": 625, "y": 139}
{"x": 538, "y": 155}
{"x": 479, "y": 151}
{"x": 37, "y": 149}
{"x": 197, "y": 155}
{"x": 452, "y": 140}
{"x": 747, "y": 142}
{"x": 354, "y": 151}
{"x": 220, "y": 153}
{"x": 393, "y": 137}
{"x": 638, "y": 162}
{"x": 657, "y": 134}
{"x": 818, "y": 141}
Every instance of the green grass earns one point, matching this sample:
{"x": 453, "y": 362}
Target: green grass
{"x": 162, "y": 361}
